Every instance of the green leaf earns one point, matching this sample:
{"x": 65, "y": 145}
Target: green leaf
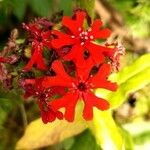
{"x": 12, "y": 96}
{"x": 66, "y": 6}
{"x": 39, "y": 135}
{"x": 138, "y": 66}
{"x": 3, "y": 115}
{"x": 19, "y": 8}
{"x": 128, "y": 141}
{"x": 85, "y": 141}
{"x": 41, "y": 7}
{"x": 8, "y": 100}
{"x": 133, "y": 84}
{"x": 130, "y": 79}
{"x": 140, "y": 131}
{"x": 106, "y": 131}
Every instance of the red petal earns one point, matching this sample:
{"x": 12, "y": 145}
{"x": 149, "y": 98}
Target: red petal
{"x": 56, "y": 81}
{"x": 46, "y": 35}
{"x": 43, "y": 113}
{"x": 47, "y": 43}
{"x": 76, "y": 54}
{"x": 68, "y": 101}
{"x": 73, "y": 25}
{"x": 102, "y": 34}
{"x": 96, "y": 52}
{"x": 50, "y": 114}
{"x": 97, "y": 33}
{"x": 59, "y": 115}
{"x": 60, "y": 71}
{"x": 80, "y": 16}
{"x": 61, "y": 78}
{"x": 90, "y": 100}
{"x": 84, "y": 68}
{"x": 36, "y": 59}
{"x": 62, "y": 39}
{"x": 100, "y": 79}
{"x": 3, "y": 59}
{"x": 32, "y": 29}
{"x": 57, "y": 90}
{"x": 96, "y": 26}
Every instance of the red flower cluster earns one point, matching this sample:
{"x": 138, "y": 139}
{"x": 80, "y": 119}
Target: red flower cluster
{"x": 39, "y": 38}
{"x": 81, "y": 40}
{"x": 36, "y": 89}
{"x": 92, "y": 64}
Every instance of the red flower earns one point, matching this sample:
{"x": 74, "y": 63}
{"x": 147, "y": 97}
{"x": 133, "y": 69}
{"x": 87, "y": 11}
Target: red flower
{"x": 81, "y": 39}
{"x": 48, "y": 113}
{"x": 78, "y": 88}
{"x": 39, "y": 40}
{"x": 33, "y": 87}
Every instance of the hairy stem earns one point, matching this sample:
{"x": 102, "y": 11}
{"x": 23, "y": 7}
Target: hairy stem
{"x": 24, "y": 117}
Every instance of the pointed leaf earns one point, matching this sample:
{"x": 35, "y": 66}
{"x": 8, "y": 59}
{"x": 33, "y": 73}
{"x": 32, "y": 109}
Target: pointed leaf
{"x": 39, "y": 135}
{"x": 106, "y": 131}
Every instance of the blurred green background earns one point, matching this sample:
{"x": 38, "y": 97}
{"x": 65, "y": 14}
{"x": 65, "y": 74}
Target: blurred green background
{"x": 130, "y": 22}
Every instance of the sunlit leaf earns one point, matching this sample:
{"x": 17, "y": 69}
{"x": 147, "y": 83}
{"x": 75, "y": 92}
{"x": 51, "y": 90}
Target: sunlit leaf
{"x": 128, "y": 141}
{"x": 85, "y": 141}
{"x": 136, "y": 67}
{"x": 131, "y": 85}
{"x": 39, "y": 135}
{"x": 140, "y": 132}
{"x": 106, "y": 131}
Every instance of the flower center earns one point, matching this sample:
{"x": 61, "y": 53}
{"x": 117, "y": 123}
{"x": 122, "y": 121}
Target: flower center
{"x": 40, "y": 39}
{"x": 82, "y": 86}
{"x": 84, "y": 35}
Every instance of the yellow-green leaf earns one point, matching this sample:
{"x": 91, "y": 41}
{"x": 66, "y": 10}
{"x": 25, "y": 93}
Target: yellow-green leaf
{"x": 106, "y": 131}
{"x": 39, "y": 135}
{"x": 136, "y": 67}
{"x": 131, "y": 85}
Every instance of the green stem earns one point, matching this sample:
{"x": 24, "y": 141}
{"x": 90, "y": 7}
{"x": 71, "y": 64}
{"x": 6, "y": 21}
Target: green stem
{"x": 24, "y": 117}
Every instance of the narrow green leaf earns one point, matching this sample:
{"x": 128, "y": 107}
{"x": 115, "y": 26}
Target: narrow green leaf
{"x": 133, "y": 84}
{"x": 128, "y": 141}
{"x": 106, "y": 131}
{"x": 129, "y": 71}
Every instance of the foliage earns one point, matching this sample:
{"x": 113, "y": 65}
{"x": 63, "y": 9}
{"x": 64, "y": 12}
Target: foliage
{"x": 136, "y": 14}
